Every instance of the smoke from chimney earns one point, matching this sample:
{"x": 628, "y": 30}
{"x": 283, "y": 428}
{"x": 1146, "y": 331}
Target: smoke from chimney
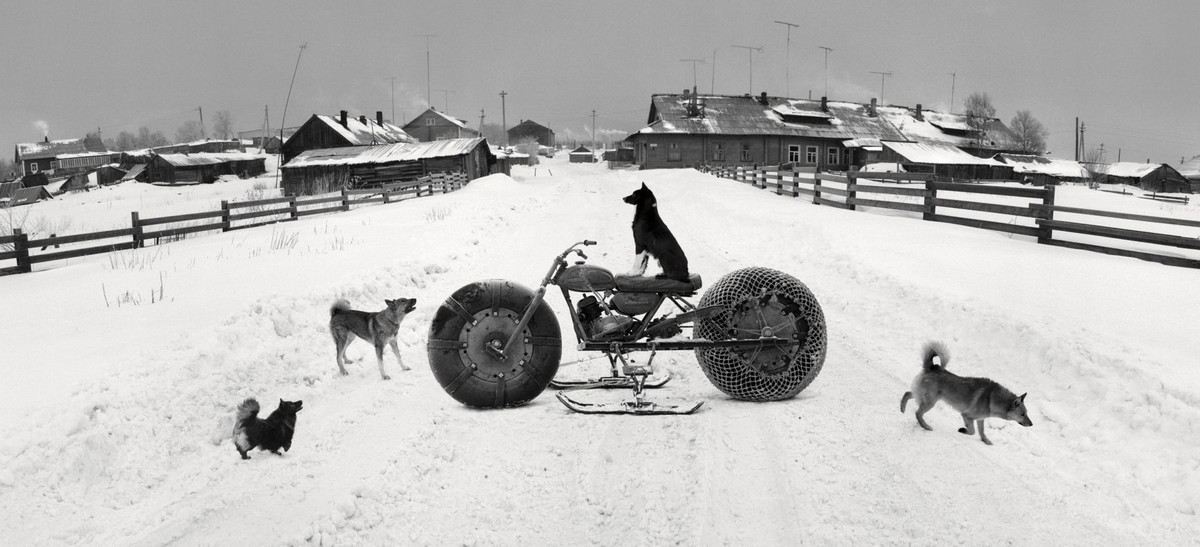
{"x": 45, "y": 127}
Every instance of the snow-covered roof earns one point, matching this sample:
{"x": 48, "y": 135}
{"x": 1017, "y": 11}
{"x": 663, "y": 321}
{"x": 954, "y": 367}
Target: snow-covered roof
{"x": 1042, "y": 165}
{"x": 399, "y": 152}
{"x": 52, "y": 149}
{"x": 358, "y": 133}
{"x": 937, "y": 154}
{"x": 1130, "y": 169}
{"x": 882, "y": 167}
{"x": 745, "y": 115}
{"x": 869, "y": 144}
{"x": 1191, "y": 168}
{"x": 206, "y": 158}
{"x": 946, "y": 128}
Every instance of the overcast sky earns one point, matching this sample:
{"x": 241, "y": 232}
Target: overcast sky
{"x": 1129, "y": 70}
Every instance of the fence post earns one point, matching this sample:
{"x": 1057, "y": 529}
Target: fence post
{"x": 137, "y": 230}
{"x": 851, "y": 191}
{"x": 225, "y": 216}
{"x": 1045, "y": 233}
{"x": 930, "y": 195}
{"x": 816, "y": 188}
{"x": 21, "y": 246}
{"x": 345, "y": 199}
{"x": 294, "y": 209}
{"x": 795, "y": 182}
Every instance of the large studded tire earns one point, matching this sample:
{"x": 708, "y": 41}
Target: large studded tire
{"x": 756, "y": 302}
{"x": 486, "y": 313}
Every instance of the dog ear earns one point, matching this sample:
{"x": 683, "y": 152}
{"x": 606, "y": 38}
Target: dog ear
{"x": 644, "y": 186}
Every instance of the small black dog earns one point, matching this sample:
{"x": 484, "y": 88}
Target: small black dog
{"x": 273, "y": 433}
{"x": 651, "y": 237}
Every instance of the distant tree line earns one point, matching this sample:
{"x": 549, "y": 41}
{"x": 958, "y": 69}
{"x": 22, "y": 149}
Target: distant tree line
{"x": 191, "y": 130}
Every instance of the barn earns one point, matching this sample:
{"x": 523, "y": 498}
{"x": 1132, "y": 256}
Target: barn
{"x": 943, "y": 161}
{"x": 1042, "y": 170}
{"x": 1152, "y": 177}
{"x": 202, "y": 167}
{"x": 329, "y": 169}
{"x": 531, "y": 130}
{"x": 321, "y": 132}
{"x": 432, "y": 125}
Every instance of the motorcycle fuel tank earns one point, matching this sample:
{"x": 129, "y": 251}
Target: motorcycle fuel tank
{"x": 586, "y": 278}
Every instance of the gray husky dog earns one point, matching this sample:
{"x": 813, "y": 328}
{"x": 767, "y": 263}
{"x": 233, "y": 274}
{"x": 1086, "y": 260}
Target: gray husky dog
{"x": 379, "y": 328}
{"x": 975, "y": 398}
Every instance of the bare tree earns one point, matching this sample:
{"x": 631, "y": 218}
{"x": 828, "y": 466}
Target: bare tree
{"x": 1093, "y": 161}
{"x": 189, "y": 131}
{"x": 494, "y": 133}
{"x": 979, "y": 109}
{"x": 1031, "y": 134}
{"x": 223, "y": 125}
{"x": 146, "y": 139}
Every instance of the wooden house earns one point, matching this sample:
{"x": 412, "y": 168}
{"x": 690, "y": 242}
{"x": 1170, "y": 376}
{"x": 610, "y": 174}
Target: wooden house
{"x": 329, "y": 169}
{"x": 1190, "y": 170}
{"x": 928, "y": 126}
{"x": 37, "y": 157}
{"x": 321, "y": 132}
{"x": 686, "y": 130}
{"x": 432, "y": 125}
{"x": 1152, "y": 177}
{"x": 202, "y": 167}
{"x": 943, "y": 161}
{"x": 531, "y": 130}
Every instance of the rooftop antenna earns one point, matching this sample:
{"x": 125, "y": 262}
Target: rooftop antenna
{"x": 827, "y": 50}
{"x": 953, "y": 77}
{"x": 882, "y": 77}
{"x": 751, "y": 50}
{"x": 788, "y": 59}
{"x": 446, "y": 98}
{"x": 712, "y": 87}
{"x": 393, "y": 79}
{"x": 428, "y": 87}
{"x": 283, "y": 118}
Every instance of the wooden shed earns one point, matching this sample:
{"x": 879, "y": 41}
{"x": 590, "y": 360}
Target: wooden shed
{"x": 943, "y": 161}
{"x": 582, "y": 155}
{"x": 330, "y": 169}
{"x": 203, "y": 167}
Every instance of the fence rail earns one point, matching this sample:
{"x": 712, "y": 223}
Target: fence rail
{"x": 889, "y": 190}
{"x": 232, "y": 215}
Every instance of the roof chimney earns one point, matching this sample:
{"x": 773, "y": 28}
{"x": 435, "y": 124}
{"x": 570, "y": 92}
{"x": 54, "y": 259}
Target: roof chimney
{"x": 762, "y": 99}
{"x": 343, "y": 119}
{"x": 871, "y": 110}
{"x": 46, "y": 138}
{"x": 362, "y": 119}
{"x": 918, "y": 115}
{"x": 824, "y": 104}
{"x": 685, "y": 93}
{"x": 379, "y": 117}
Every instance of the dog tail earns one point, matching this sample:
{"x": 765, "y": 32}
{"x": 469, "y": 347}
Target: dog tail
{"x": 246, "y": 411}
{"x": 339, "y": 305}
{"x": 934, "y": 349}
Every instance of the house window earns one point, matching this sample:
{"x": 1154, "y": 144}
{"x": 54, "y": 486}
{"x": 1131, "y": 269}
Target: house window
{"x": 745, "y": 152}
{"x": 718, "y": 152}
{"x": 674, "y": 154}
{"x": 810, "y": 154}
{"x": 33, "y": 168}
{"x": 833, "y": 156}
{"x": 793, "y": 153}
{"x": 430, "y": 121}
{"x": 654, "y": 149}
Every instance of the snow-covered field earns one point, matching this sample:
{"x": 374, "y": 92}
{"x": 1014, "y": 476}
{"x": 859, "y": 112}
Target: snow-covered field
{"x": 116, "y": 418}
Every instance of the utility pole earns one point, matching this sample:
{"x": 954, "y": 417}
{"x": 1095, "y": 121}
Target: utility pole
{"x": 594, "y": 128}
{"x": 953, "y": 77}
{"x": 1076, "y": 138}
{"x": 428, "y": 87}
{"x": 481, "y": 117}
{"x": 827, "y": 50}
{"x": 201, "y": 109}
{"x": 266, "y": 133}
{"x": 788, "y": 60}
{"x": 503, "y": 117}
{"x": 751, "y": 51}
{"x": 882, "y": 77}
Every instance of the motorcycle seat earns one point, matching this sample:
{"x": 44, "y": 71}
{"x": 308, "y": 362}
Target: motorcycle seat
{"x": 638, "y": 283}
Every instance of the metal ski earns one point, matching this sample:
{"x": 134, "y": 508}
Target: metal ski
{"x": 609, "y": 382}
{"x": 642, "y": 408}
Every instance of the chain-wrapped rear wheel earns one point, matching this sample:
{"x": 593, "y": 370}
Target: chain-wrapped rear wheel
{"x": 484, "y": 315}
{"x": 761, "y": 302}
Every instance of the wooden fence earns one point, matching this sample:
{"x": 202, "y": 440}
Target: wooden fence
{"x": 920, "y": 193}
{"x": 233, "y": 215}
